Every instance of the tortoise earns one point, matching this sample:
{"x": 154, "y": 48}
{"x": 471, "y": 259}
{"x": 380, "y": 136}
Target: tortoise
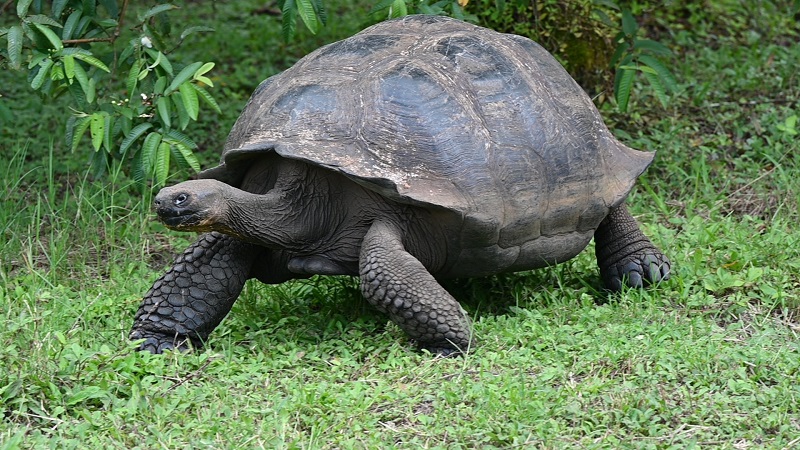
{"x": 420, "y": 149}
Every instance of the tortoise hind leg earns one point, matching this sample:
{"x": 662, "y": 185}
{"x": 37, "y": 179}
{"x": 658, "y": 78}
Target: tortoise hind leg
{"x": 625, "y": 254}
{"x": 397, "y": 283}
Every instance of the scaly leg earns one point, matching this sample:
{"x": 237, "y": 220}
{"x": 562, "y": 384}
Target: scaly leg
{"x": 193, "y": 297}
{"x": 625, "y": 254}
{"x": 396, "y": 283}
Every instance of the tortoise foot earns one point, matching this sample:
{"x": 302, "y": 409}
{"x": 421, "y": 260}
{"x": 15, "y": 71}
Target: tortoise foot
{"x": 156, "y": 343}
{"x": 637, "y": 270}
{"x": 441, "y": 351}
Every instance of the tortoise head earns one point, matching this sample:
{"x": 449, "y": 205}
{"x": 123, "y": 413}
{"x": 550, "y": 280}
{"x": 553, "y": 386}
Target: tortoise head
{"x": 195, "y": 205}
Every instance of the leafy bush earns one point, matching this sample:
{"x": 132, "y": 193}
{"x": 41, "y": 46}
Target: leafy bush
{"x": 581, "y": 33}
{"x": 639, "y": 55}
{"x": 584, "y": 35}
{"x": 134, "y": 103}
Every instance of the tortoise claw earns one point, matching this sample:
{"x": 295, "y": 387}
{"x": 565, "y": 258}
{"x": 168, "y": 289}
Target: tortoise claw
{"x": 157, "y": 343}
{"x": 638, "y": 270}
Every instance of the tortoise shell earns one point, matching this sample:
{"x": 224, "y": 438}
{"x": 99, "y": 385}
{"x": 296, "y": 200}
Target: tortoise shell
{"x": 432, "y": 111}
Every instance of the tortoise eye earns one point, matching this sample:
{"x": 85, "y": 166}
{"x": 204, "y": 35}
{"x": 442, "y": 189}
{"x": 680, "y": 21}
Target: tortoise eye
{"x": 181, "y": 199}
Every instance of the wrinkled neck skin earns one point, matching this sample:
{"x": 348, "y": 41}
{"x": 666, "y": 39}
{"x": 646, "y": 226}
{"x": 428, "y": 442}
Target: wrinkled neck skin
{"x": 276, "y": 206}
{"x": 306, "y": 210}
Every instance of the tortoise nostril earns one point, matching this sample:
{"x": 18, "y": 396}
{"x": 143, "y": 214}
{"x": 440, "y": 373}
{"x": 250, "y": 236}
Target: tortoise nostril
{"x": 181, "y": 199}
{"x": 157, "y": 203}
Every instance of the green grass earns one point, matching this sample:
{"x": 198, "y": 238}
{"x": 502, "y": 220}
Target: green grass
{"x": 709, "y": 359}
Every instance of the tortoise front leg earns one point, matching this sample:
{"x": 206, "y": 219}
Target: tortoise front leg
{"x": 396, "y": 283}
{"x": 193, "y": 297}
{"x": 625, "y": 254}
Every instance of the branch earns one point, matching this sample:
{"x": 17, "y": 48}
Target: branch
{"x": 89, "y": 40}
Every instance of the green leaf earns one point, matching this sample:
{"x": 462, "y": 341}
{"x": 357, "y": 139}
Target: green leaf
{"x": 162, "y": 105}
{"x": 58, "y": 7}
{"x": 289, "y": 19}
{"x": 89, "y": 7}
{"x": 42, "y": 19}
{"x": 652, "y": 46}
{"x": 22, "y": 8}
{"x": 398, "y": 9}
{"x": 206, "y": 81}
{"x": 184, "y": 147}
{"x": 197, "y": 29}
{"x": 176, "y": 137}
{"x": 160, "y": 59}
{"x": 306, "y": 10}
{"x": 70, "y": 24}
{"x": 97, "y": 129}
{"x": 36, "y": 59}
{"x": 81, "y": 125}
{"x": 91, "y": 92}
{"x": 190, "y": 102}
{"x": 69, "y": 66}
{"x": 111, "y": 6}
{"x": 149, "y": 150}
{"x": 202, "y": 93}
{"x": 665, "y": 74}
{"x": 70, "y": 129}
{"x": 621, "y": 49}
{"x": 125, "y": 122}
{"x": 159, "y": 85}
{"x": 109, "y": 129}
{"x": 622, "y": 88}
{"x": 629, "y": 25}
{"x": 135, "y": 134}
{"x": 56, "y": 73}
{"x": 603, "y": 17}
{"x": 158, "y": 9}
{"x": 14, "y": 38}
{"x": 83, "y": 24}
{"x": 91, "y": 60}
{"x": 162, "y": 163}
{"x": 44, "y": 70}
{"x": 182, "y": 77}
{"x": 133, "y": 78}
{"x": 380, "y": 6}
{"x": 78, "y": 96}
{"x": 183, "y": 116}
{"x": 322, "y": 14}
{"x": 50, "y": 35}
{"x": 87, "y": 393}
{"x": 658, "y": 87}
{"x": 606, "y": 3}
{"x": 86, "y": 85}
{"x": 639, "y": 68}
{"x": 790, "y": 122}
{"x": 83, "y": 80}
{"x": 199, "y": 74}
{"x": 128, "y": 51}
{"x": 187, "y": 156}
{"x": 204, "y": 69}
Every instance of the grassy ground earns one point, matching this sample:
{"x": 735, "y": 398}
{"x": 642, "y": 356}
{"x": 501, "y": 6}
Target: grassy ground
{"x": 709, "y": 359}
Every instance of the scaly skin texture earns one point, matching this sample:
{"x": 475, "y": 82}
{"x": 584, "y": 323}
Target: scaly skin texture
{"x": 398, "y": 285}
{"x": 625, "y": 255}
{"x": 193, "y": 297}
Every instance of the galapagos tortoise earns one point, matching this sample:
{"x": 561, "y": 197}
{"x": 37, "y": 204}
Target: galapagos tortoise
{"x": 419, "y": 149}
